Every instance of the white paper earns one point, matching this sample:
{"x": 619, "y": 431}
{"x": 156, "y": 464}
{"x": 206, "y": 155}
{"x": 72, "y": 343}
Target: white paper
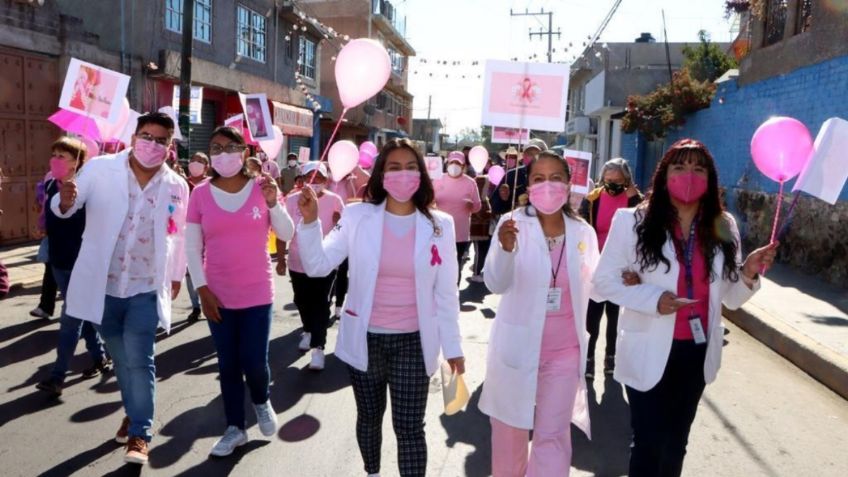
{"x": 827, "y": 171}
{"x": 125, "y": 135}
{"x": 94, "y": 91}
{"x": 258, "y": 115}
{"x": 303, "y": 155}
{"x": 454, "y": 391}
{"x": 434, "y": 167}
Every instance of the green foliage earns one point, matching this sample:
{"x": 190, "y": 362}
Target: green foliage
{"x": 655, "y": 113}
{"x": 706, "y": 62}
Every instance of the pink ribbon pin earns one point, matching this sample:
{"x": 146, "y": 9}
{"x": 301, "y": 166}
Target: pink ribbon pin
{"x": 435, "y": 258}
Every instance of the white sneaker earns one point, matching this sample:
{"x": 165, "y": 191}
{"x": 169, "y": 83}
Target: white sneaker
{"x": 232, "y": 438}
{"x": 477, "y": 279}
{"x": 266, "y": 418}
{"x": 373, "y": 475}
{"x": 317, "y": 363}
{"x": 39, "y": 313}
{"x": 305, "y": 342}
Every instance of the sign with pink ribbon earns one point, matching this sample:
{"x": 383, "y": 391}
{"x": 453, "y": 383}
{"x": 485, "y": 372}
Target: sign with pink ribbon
{"x": 525, "y": 95}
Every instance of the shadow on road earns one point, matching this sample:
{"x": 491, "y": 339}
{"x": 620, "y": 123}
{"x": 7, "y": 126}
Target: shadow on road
{"x": 25, "y": 405}
{"x": 82, "y": 460}
{"x": 471, "y": 427}
{"x": 13, "y": 331}
{"x": 223, "y": 466}
{"x": 608, "y": 453}
{"x": 30, "y": 346}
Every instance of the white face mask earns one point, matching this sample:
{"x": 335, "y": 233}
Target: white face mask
{"x": 454, "y": 170}
{"x": 292, "y": 164}
{"x": 317, "y": 188}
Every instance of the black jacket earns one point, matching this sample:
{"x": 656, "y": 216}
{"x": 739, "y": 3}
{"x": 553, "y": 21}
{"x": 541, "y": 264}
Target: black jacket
{"x": 590, "y": 204}
{"x": 500, "y": 206}
{"x": 64, "y": 236}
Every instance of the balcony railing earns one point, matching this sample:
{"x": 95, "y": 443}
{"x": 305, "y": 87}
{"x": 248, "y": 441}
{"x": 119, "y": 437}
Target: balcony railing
{"x": 387, "y": 10}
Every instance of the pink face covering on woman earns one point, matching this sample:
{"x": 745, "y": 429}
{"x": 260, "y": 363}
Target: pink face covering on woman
{"x": 549, "y": 196}
{"x": 402, "y": 185}
{"x": 688, "y": 187}
{"x": 196, "y": 169}
{"x": 149, "y": 154}
{"x": 59, "y": 167}
{"x": 227, "y": 164}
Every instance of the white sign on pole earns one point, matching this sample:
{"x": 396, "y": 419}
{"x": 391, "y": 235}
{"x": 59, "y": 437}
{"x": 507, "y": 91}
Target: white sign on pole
{"x": 827, "y": 171}
{"x": 580, "y": 163}
{"x": 525, "y": 95}
{"x": 258, "y": 115}
{"x": 94, "y": 91}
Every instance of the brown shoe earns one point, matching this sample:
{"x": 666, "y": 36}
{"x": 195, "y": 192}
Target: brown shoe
{"x": 122, "y": 436}
{"x": 136, "y": 451}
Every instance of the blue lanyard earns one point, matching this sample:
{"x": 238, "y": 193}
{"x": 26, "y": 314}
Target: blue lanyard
{"x": 688, "y": 254}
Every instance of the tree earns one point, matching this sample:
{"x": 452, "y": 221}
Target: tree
{"x": 706, "y": 62}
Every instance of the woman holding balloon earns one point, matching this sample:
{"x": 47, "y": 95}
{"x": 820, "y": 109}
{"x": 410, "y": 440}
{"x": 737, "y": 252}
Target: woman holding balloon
{"x": 457, "y": 194}
{"x": 403, "y": 307}
{"x": 686, "y": 252}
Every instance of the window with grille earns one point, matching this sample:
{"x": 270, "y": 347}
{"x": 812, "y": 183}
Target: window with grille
{"x": 775, "y": 21}
{"x": 202, "y": 18}
{"x": 250, "y": 34}
{"x": 307, "y": 58}
{"x": 805, "y": 16}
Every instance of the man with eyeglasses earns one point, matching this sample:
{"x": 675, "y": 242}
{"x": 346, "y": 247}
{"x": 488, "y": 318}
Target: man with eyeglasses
{"x": 131, "y": 262}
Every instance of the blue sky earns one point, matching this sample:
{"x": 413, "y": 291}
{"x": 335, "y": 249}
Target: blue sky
{"x": 476, "y": 30}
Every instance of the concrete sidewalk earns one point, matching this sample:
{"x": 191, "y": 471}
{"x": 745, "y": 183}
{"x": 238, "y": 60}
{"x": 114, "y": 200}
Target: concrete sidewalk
{"x": 24, "y": 271}
{"x": 803, "y": 319}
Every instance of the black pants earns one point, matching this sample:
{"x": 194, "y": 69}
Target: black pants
{"x": 661, "y": 417}
{"x": 461, "y": 248}
{"x": 593, "y": 325}
{"x": 340, "y": 285}
{"x": 47, "y": 303}
{"x": 395, "y": 361}
{"x": 481, "y": 249}
{"x": 312, "y": 298}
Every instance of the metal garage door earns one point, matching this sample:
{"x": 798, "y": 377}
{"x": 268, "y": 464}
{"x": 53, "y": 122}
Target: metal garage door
{"x": 202, "y": 133}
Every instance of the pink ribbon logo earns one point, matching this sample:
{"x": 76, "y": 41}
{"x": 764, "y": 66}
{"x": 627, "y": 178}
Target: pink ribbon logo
{"x": 526, "y": 90}
{"x": 435, "y": 259}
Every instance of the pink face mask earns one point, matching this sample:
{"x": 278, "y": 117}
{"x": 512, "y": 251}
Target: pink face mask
{"x": 196, "y": 169}
{"x": 688, "y": 187}
{"x": 59, "y": 167}
{"x": 549, "y": 196}
{"x": 227, "y": 164}
{"x": 149, "y": 154}
{"x": 402, "y": 185}
{"x": 510, "y": 163}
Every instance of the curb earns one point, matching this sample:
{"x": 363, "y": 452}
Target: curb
{"x": 823, "y": 364}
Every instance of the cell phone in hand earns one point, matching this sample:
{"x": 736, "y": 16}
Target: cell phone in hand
{"x": 686, "y": 301}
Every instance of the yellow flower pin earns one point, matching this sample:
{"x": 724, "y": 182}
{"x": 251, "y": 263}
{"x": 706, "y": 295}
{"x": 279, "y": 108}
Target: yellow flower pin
{"x": 581, "y": 246}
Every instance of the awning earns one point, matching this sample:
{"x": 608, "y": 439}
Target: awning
{"x": 292, "y": 120}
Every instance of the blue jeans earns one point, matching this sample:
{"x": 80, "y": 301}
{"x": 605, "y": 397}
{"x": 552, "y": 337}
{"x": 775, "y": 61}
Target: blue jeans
{"x": 192, "y": 293}
{"x": 70, "y": 330}
{"x": 129, "y": 328}
{"x": 241, "y": 340}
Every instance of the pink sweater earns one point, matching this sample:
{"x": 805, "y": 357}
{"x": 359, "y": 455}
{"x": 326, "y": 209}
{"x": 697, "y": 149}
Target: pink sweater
{"x": 560, "y": 332}
{"x": 606, "y": 209}
{"x": 453, "y": 196}
{"x": 395, "y": 305}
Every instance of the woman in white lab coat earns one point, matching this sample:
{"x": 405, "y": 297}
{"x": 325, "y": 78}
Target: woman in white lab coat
{"x": 542, "y": 266}
{"x": 685, "y": 249}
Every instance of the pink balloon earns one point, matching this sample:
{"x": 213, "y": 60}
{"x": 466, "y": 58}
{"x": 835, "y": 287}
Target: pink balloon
{"x": 343, "y": 157}
{"x": 781, "y": 147}
{"x": 272, "y": 146}
{"x": 478, "y": 156}
{"x": 496, "y": 175}
{"x": 362, "y": 69}
{"x": 369, "y": 148}
{"x": 91, "y": 146}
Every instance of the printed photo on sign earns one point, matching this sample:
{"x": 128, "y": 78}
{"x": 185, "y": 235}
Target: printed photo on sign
{"x": 258, "y": 115}
{"x": 581, "y": 166}
{"x": 94, "y": 91}
{"x": 434, "y": 167}
{"x": 510, "y": 135}
{"x": 525, "y": 95}
{"x": 196, "y": 103}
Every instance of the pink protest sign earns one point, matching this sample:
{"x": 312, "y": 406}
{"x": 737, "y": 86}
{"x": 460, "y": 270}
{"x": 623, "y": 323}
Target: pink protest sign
{"x": 525, "y": 95}
{"x": 581, "y": 166}
{"x": 510, "y": 135}
{"x": 94, "y": 91}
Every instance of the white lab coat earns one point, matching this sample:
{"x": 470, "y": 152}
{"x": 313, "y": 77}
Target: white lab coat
{"x": 523, "y": 278}
{"x": 645, "y": 336}
{"x": 358, "y": 237}
{"x": 103, "y": 189}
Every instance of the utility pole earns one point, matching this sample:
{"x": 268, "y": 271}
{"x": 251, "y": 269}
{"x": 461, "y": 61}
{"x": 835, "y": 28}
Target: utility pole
{"x": 550, "y": 33}
{"x": 185, "y": 70}
{"x": 429, "y": 125}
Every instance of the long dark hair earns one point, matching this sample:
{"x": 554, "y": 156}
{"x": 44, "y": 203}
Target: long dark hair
{"x": 566, "y": 208}
{"x": 659, "y": 217}
{"x": 234, "y": 135}
{"x": 375, "y": 193}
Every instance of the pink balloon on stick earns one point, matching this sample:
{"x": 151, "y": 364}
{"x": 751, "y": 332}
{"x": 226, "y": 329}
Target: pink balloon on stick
{"x": 343, "y": 157}
{"x": 496, "y": 175}
{"x": 478, "y": 156}
{"x": 781, "y": 147}
{"x": 362, "y": 69}
{"x": 367, "y": 154}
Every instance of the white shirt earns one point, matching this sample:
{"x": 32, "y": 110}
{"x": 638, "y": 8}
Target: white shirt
{"x": 132, "y": 270}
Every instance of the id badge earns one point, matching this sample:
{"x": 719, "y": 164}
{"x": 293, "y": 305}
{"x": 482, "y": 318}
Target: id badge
{"x": 554, "y": 299}
{"x": 697, "y": 329}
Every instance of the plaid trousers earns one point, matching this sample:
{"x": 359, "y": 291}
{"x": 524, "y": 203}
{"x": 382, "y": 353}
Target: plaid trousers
{"x": 396, "y": 361}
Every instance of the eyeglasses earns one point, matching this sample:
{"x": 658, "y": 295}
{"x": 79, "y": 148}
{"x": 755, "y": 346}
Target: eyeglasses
{"x": 230, "y": 148}
{"x": 162, "y": 141}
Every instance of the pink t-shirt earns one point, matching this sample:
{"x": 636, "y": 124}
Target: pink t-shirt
{"x": 701, "y": 281}
{"x": 235, "y": 248}
{"x": 453, "y": 196}
{"x": 606, "y": 210}
{"x": 560, "y": 332}
{"x": 329, "y": 204}
{"x": 395, "y": 305}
